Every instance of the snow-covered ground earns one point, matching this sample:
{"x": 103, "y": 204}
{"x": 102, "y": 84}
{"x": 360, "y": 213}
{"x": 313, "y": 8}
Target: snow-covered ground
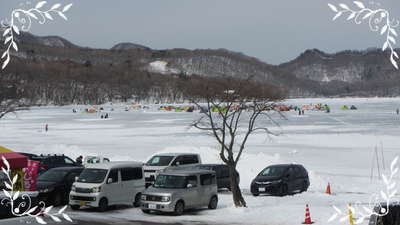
{"x": 337, "y": 147}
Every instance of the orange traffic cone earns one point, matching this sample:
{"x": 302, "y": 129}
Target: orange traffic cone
{"x": 308, "y": 217}
{"x": 328, "y": 189}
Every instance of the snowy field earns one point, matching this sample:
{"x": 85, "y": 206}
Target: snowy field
{"x": 337, "y": 147}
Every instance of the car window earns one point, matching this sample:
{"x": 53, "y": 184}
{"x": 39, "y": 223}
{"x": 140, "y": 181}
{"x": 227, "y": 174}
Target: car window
{"x": 298, "y": 172}
{"x": 192, "y": 180}
{"x": 179, "y": 159}
{"x": 137, "y": 173}
{"x": 114, "y": 175}
{"x": 207, "y": 179}
{"x": 291, "y": 173}
{"x": 68, "y": 161}
{"x": 131, "y": 174}
{"x": 190, "y": 159}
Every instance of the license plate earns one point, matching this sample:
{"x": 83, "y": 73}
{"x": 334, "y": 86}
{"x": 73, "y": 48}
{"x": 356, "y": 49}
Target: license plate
{"x": 152, "y": 206}
{"x": 261, "y": 189}
{"x": 82, "y": 203}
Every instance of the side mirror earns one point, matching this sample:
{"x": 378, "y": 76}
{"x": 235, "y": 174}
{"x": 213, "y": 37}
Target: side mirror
{"x": 109, "y": 181}
{"x": 177, "y": 163}
{"x": 76, "y": 179}
{"x": 189, "y": 185}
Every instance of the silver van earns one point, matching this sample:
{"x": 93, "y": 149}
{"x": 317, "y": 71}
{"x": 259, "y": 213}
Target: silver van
{"x": 175, "y": 191}
{"x": 165, "y": 161}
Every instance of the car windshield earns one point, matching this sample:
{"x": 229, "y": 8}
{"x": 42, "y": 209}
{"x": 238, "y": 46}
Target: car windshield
{"x": 92, "y": 176}
{"x": 53, "y": 175}
{"x": 169, "y": 181}
{"x": 159, "y": 161}
{"x": 274, "y": 171}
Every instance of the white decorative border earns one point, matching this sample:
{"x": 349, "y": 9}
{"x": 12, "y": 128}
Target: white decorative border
{"x": 22, "y": 20}
{"x": 379, "y": 21}
{"x": 25, "y": 207}
{"x": 384, "y": 198}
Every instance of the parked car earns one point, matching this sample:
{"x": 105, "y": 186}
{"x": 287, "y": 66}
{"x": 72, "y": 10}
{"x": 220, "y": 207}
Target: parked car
{"x": 391, "y": 218}
{"x": 95, "y": 159}
{"x": 222, "y": 173}
{"x": 53, "y": 161}
{"x": 175, "y": 191}
{"x": 55, "y": 184}
{"x": 162, "y": 162}
{"x": 104, "y": 184}
{"x": 282, "y": 179}
{"x": 30, "y": 156}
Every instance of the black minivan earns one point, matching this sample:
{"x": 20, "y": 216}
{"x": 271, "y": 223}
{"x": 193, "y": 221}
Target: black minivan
{"x": 281, "y": 179}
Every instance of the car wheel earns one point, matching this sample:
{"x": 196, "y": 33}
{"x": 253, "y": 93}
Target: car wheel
{"x": 103, "y": 205}
{"x": 58, "y": 199}
{"x": 213, "y": 202}
{"x": 75, "y": 207}
{"x": 255, "y": 194}
{"x": 179, "y": 208}
{"x": 284, "y": 190}
{"x": 136, "y": 203}
{"x": 146, "y": 211}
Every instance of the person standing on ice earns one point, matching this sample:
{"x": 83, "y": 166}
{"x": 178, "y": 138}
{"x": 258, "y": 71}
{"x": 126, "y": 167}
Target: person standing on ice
{"x": 397, "y": 111}
{"x": 46, "y": 127}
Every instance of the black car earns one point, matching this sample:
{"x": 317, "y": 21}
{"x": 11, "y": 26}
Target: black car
{"x": 282, "y": 179}
{"x": 222, "y": 172}
{"x": 30, "y": 156}
{"x": 53, "y": 161}
{"x": 55, "y": 184}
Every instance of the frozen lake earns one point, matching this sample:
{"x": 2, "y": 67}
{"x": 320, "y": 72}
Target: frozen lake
{"x": 336, "y": 147}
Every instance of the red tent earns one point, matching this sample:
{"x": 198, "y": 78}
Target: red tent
{"x": 16, "y": 161}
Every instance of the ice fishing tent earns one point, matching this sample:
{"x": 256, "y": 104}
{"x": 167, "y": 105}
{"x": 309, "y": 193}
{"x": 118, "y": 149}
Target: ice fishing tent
{"x": 344, "y": 107}
{"x": 17, "y": 163}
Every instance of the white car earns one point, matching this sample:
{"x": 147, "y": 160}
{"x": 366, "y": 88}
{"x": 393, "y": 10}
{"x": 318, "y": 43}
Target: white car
{"x": 94, "y": 159}
{"x": 104, "y": 184}
{"x": 168, "y": 161}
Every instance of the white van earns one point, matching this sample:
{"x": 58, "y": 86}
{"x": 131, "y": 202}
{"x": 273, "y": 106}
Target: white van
{"x": 104, "y": 184}
{"x": 168, "y": 161}
{"x": 95, "y": 159}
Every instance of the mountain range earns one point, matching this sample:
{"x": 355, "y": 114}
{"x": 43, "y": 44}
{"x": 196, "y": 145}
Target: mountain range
{"x": 312, "y": 74}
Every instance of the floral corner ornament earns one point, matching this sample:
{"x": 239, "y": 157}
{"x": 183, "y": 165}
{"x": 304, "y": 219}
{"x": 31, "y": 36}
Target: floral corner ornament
{"x": 22, "y": 20}
{"x": 379, "y": 21}
{"x": 380, "y": 201}
{"x": 25, "y": 208}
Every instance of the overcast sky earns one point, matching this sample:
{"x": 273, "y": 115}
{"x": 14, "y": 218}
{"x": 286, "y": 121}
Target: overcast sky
{"x": 274, "y": 31}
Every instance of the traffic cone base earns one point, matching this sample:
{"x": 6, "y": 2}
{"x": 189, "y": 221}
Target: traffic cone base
{"x": 308, "y": 217}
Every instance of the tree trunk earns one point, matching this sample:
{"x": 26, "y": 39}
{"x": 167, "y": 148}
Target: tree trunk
{"x": 238, "y": 199}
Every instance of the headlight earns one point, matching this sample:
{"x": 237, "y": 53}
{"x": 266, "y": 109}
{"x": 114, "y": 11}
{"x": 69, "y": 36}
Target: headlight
{"x": 143, "y": 197}
{"x": 276, "y": 181}
{"x": 165, "y": 199}
{"x": 44, "y": 190}
{"x": 96, "y": 189}
{"x": 73, "y": 188}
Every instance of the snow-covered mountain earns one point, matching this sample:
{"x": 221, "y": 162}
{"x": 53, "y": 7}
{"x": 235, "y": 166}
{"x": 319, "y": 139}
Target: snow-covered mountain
{"x": 313, "y": 73}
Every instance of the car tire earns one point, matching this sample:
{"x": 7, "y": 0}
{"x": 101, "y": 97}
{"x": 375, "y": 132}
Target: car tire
{"x": 179, "y": 208}
{"x": 57, "y": 199}
{"x": 146, "y": 211}
{"x": 136, "y": 203}
{"x": 103, "y": 205}
{"x": 213, "y": 202}
{"x": 75, "y": 207}
{"x": 255, "y": 194}
{"x": 283, "y": 190}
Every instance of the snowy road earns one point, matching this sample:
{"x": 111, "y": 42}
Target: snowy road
{"x": 337, "y": 148}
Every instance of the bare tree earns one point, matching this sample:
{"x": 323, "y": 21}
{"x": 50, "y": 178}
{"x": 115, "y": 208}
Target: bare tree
{"x": 7, "y": 107}
{"x": 233, "y": 110}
